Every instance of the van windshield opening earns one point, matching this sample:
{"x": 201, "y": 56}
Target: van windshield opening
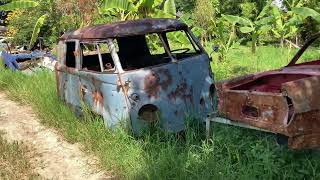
{"x": 143, "y": 51}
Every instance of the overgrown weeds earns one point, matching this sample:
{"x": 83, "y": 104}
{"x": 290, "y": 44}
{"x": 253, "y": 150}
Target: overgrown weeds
{"x": 232, "y": 153}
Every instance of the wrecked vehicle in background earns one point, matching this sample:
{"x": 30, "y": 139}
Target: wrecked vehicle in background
{"x": 116, "y": 71}
{"x": 28, "y": 61}
{"x": 23, "y": 60}
{"x": 284, "y": 101}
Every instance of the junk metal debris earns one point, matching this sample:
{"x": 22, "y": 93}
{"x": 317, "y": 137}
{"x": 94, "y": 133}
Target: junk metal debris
{"x": 114, "y": 70}
{"x": 28, "y": 61}
{"x": 16, "y": 58}
{"x": 284, "y": 101}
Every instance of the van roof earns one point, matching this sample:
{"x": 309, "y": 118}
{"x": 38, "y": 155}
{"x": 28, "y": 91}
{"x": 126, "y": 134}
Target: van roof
{"x": 125, "y": 28}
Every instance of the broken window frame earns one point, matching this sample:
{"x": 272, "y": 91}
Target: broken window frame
{"x": 77, "y": 51}
{"x": 114, "y": 54}
{"x": 195, "y": 40}
{"x": 192, "y": 40}
{"x": 162, "y": 36}
{"x": 62, "y": 48}
{"x": 112, "y": 50}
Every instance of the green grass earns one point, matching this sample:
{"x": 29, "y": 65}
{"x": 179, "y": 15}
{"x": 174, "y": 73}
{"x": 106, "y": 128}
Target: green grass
{"x": 241, "y": 61}
{"x": 233, "y": 153}
{"x": 15, "y": 161}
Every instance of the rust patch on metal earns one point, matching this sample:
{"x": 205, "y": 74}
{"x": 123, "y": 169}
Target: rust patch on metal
{"x": 285, "y": 101}
{"x": 166, "y": 82}
{"x": 157, "y": 80}
{"x": 152, "y": 85}
{"x": 182, "y": 91}
{"x": 305, "y": 93}
{"x": 98, "y": 99}
{"x": 262, "y": 110}
{"x": 57, "y": 73}
{"x": 308, "y": 141}
{"x": 82, "y": 91}
{"x": 125, "y": 28}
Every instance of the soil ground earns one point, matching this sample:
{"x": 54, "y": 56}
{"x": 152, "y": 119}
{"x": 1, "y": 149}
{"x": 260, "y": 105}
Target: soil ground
{"x": 54, "y": 157}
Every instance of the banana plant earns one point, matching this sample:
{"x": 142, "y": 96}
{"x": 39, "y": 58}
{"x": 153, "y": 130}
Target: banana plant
{"x": 25, "y": 4}
{"x": 305, "y": 12}
{"x": 130, "y": 9}
{"x": 286, "y": 23}
{"x": 260, "y": 25}
{"x": 225, "y": 37}
{"x": 22, "y": 4}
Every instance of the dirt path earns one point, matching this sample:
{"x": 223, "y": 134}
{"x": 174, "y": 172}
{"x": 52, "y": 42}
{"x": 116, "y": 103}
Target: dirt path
{"x": 55, "y": 158}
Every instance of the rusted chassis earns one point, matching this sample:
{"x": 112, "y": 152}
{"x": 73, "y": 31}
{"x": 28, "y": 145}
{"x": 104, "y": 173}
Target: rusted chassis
{"x": 284, "y": 101}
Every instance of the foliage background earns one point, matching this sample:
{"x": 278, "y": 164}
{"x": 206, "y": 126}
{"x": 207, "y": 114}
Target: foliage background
{"x": 205, "y": 16}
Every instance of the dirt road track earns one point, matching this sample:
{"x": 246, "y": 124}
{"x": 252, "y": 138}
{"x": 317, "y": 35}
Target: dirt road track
{"x": 55, "y": 158}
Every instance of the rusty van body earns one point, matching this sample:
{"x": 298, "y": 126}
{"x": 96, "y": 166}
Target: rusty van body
{"x": 131, "y": 71}
{"x": 284, "y": 101}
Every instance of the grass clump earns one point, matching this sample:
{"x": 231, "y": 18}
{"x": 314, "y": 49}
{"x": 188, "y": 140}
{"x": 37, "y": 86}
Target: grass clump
{"x": 15, "y": 161}
{"x": 232, "y": 153}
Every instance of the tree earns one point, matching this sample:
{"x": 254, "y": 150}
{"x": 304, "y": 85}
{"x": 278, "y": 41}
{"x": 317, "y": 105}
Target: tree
{"x": 53, "y": 17}
{"x": 286, "y": 24}
{"x": 260, "y": 25}
{"x": 203, "y": 15}
{"x": 126, "y": 9}
{"x": 25, "y": 4}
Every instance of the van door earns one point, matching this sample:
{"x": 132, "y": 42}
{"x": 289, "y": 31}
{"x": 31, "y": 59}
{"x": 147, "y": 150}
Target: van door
{"x": 100, "y": 87}
{"x": 67, "y": 76}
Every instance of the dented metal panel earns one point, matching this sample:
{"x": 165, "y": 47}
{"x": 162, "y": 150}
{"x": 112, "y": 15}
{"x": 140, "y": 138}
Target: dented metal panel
{"x": 284, "y": 101}
{"x": 262, "y": 110}
{"x": 162, "y": 94}
{"x": 173, "y": 88}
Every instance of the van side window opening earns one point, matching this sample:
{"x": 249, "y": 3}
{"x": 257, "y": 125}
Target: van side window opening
{"x": 70, "y": 55}
{"x": 91, "y": 54}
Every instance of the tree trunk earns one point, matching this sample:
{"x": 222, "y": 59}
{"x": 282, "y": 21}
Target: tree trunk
{"x": 282, "y": 42}
{"x": 254, "y": 43}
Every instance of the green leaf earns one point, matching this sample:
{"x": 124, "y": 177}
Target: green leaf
{"x": 277, "y": 15}
{"x": 264, "y": 29}
{"x": 264, "y": 11}
{"x": 237, "y": 20}
{"x": 231, "y": 19}
{"x": 197, "y": 31}
{"x": 170, "y": 7}
{"x": 23, "y": 4}
{"x": 307, "y": 12}
{"x": 246, "y": 29}
{"x": 146, "y": 3}
{"x": 278, "y": 35}
{"x": 295, "y": 20}
{"x": 264, "y": 21}
{"x": 109, "y": 5}
{"x": 37, "y": 29}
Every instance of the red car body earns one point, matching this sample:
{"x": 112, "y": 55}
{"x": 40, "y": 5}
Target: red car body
{"x": 284, "y": 101}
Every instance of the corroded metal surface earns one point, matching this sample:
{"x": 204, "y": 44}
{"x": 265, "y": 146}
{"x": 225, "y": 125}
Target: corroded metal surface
{"x": 261, "y": 110}
{"x": 125, "y": 28}
{"x": 164, "y": 93}
{"x": 176, "y": 89}
{"x": 284, "y": 101}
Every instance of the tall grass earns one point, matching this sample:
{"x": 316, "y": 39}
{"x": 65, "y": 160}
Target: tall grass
{"x": 232, "y": 153}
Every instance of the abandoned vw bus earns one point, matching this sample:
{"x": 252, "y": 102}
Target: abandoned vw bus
{"x": 151, "y": 71}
